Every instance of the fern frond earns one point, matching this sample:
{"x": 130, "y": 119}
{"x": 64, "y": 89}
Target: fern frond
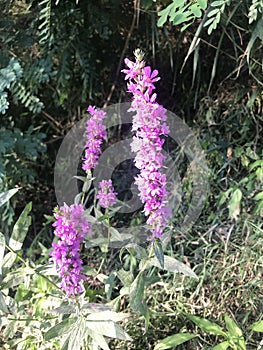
{"x": 20, "y": 93}
{"x": 10, "y": 73}
{"x": 44, "y": 18}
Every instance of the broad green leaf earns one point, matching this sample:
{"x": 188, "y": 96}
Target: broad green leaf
{"x": 163, "y": 15}
{"x": 234, "y": 204}
{"x": 258, "y": 196}
{"x": 257, "y": 326}
{"x": 126, "y": 277}
{"x": 221, "y": 346}
{"x": 170, "y": 11}
{"x": 235, "y": 332}
{"x": 182, "y": 17}
{"x": 8, "y": 260}
{"x": 61, "y": 328}
{"x": 158, "y": 250}
{"x": 107, "y": 316}
{"x": 206, "y": 325}
{"x": 257, "y": 163}
{"x": 137, "y": 294}
{"x": 20, "y": 228}
{"x": 232, "y": 327}
{"x": 202, "y": 4}
{"x": 3, "y": 307}
{"x": 195, "y": 10}
{"x": 2, "y": 250}
{"x": 115, "y": 235}
{"x": 108, "y": 329}
{"x": 77, "y": 335}
{"x": 98, "y": 340}
{"x": 174, "y": 340}
{"x": 5, "y": 196}
{"x": 173, "y": 265}
{"x": 140, "y": 252}
{"x": 64, "y": 310}
{"x": 175, "y": 12}
{"x": 14, "y": 278}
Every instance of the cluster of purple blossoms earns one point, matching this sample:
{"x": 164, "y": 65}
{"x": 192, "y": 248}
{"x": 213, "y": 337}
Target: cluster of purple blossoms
{"x": 95, "y": 134}
{"x": 149, "y": 125}
{"x": 71, "y": 228}
{"x": 106, "y": 194}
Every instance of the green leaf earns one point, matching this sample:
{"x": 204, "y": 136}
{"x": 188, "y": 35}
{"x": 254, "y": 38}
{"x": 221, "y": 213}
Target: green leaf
{"x": 221, "y": 346}
{"x": 61, "y": 328}
{"x": 126, "y": 277}
{"x": 77, "y": 335}
{"x": 202, "y": 4}
{"x": 234, "y": 204}
{"x": 213, "y": 13}
{"x": 182, "y": 17}
{"x": 2, "y": 250}
{"x": 137, "y": 294}
{"x": 140, "y": 252}
{"x": 232, "y": 327}
{"x": 163, "y": 15}
{"x": 195, "y": 9}
{"x": 258, "y": 196}
{"x": 235, "y": 332}
{"x": 109, "y": 329}
{"x": 174, "y": 340}
{"x": 158, "y": 250}
{"x": 3, "y": 306}
{"x": 257, "y": 326}
{"x": 20, "y": 229}
{"x": 107, "y": 316}
{"x": 5, "y": 196}
{"x": 207, "y": 326}
{"x": 98, "y": 340}
{"x": 173, "y": 265}
{"x": 218, "y": 3}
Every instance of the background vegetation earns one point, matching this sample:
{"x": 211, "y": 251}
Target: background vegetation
{"x": 56, "y": 58}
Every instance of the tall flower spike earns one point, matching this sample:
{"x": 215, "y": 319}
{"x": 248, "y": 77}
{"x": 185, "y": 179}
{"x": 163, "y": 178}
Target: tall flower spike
{"x": 106, "y": 194}
{"x": 95, "y": 134}
{"x": 149, "y": 125}
{"x": 71, "y": 228}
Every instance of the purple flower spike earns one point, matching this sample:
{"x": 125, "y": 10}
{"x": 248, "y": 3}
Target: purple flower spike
{"x": 71, "y": 228}
{"x": 106, "y": 194}
{"x": 95, "y": 133}
{"x": 149, "y": 125}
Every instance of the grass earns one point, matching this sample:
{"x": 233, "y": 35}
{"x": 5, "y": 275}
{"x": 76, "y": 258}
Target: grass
{"x": 229, "y": 282}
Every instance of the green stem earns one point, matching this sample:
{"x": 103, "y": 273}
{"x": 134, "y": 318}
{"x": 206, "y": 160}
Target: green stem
{"x": 108, "y": 242}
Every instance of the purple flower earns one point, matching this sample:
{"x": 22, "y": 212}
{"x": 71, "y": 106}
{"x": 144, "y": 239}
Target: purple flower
{"x": 149, "y": 126}
{"x": 106, "y": 194}
{"x": 95, "y": 134}
{"x": 71, "y": 228}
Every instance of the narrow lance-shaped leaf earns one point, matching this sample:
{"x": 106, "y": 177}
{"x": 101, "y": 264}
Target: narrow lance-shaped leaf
{"x": 20, "y": 229}
{"x": 5, "y": 196}
{"x": 257, "y": 326}
{"x": 207, "y": 326}
{"x": 235, "y": 332}
{"x": 61, "y": 328}
{"x": 173, "y": 265}
{"x": 158, "y": 250}
{"x": 2, "y": 250}
{"x": 221, "y": 346}
{"x": 137, "y": 294}
{"x": 174, "y": 340}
